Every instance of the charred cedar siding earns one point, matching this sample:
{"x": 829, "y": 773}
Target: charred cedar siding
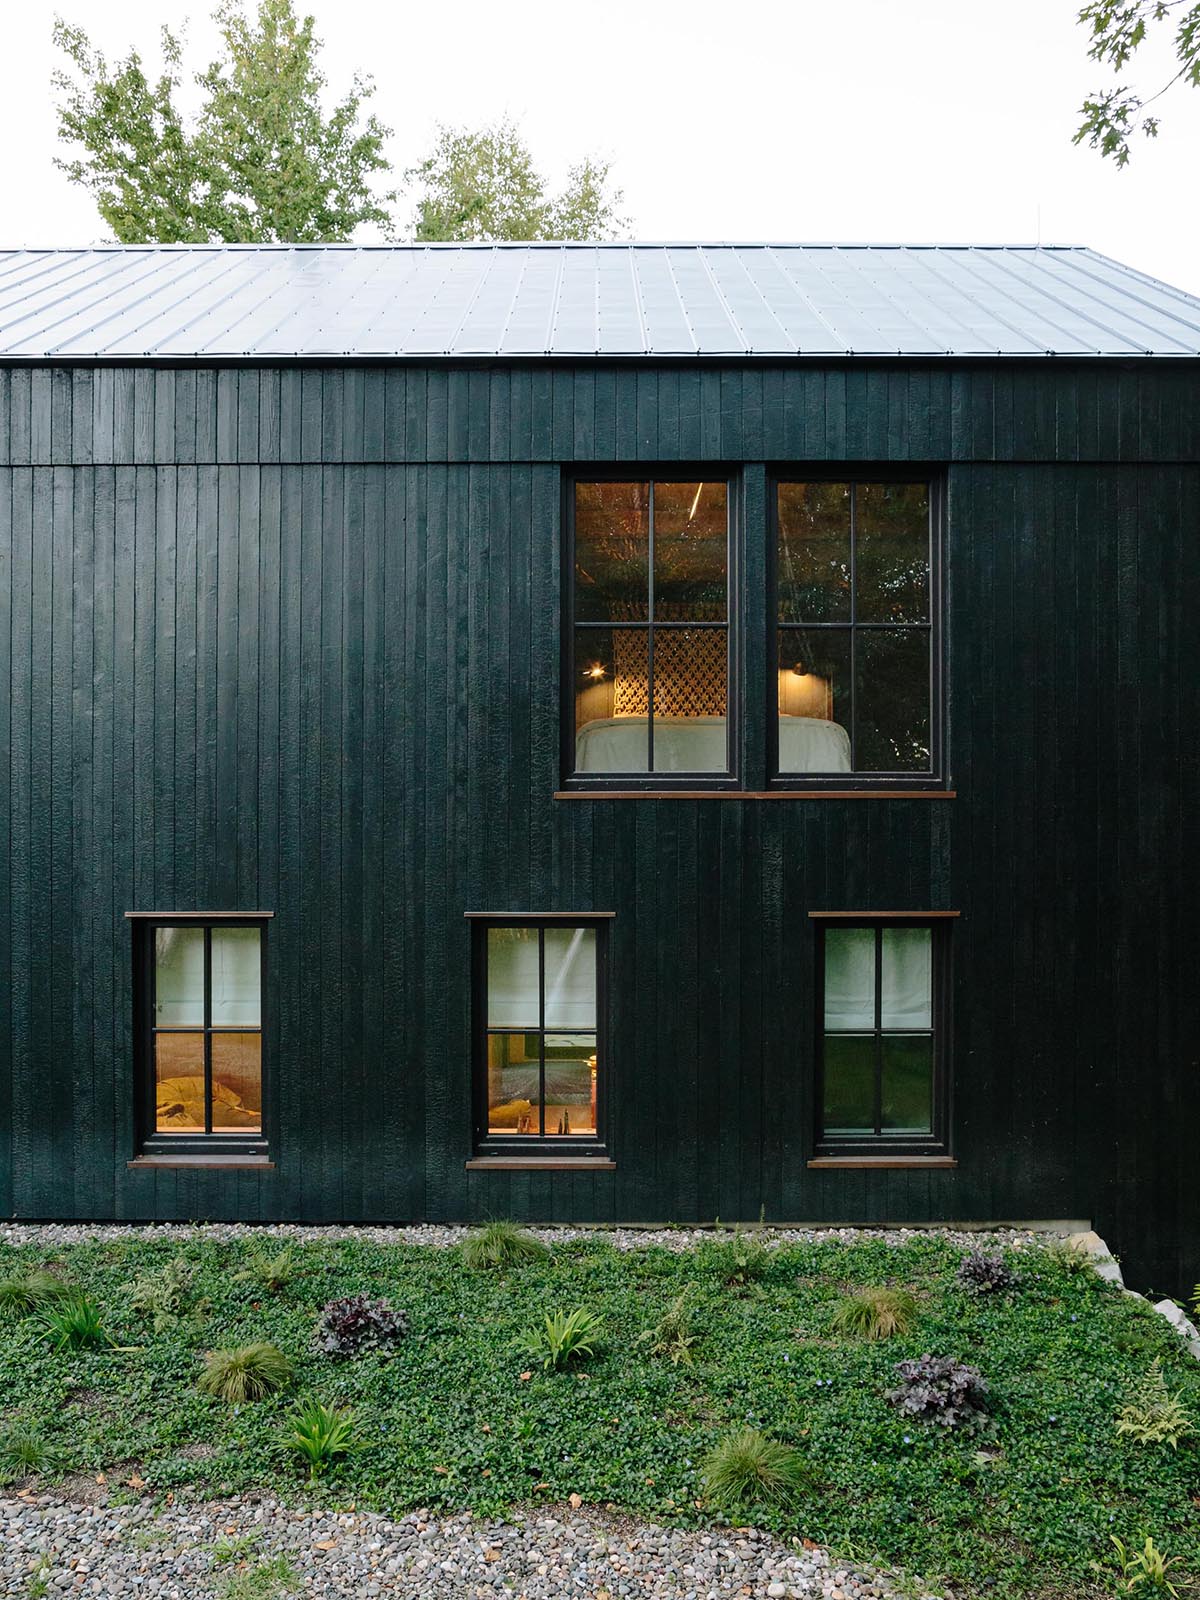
{"x": 287, "y": 638}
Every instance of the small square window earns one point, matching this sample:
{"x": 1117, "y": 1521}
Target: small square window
{"x": 882, "y": 1036}
{"x": 540, "y": 1034}
{"x": 199, "y": 1001}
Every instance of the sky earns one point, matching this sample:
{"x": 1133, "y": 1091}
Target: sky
{"x": 848, "y": 120}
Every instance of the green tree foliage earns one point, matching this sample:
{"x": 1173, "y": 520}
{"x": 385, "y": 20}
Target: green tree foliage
{"x": 262, "y": 161}
{"x": 1118, "y": 28}
{"x": 484, "y": 185}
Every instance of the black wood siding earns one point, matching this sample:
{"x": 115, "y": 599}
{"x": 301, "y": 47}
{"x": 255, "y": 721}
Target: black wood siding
{"x": 287, "y": 639}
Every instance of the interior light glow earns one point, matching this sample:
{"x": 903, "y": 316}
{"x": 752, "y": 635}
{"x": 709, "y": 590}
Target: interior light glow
{"x": 695, "y": 502}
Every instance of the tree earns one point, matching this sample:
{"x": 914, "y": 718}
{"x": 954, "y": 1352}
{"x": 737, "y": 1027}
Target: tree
{"x": 484, "y": 185}
{"x": 261, "y": 161}
{"x": 1118, "y": 29}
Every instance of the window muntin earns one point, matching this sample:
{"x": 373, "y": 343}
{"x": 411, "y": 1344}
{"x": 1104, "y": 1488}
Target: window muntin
{"x": 881, "y": 1036}
{"x": 854, "y": 590}
{"x": 542, "y": 1044}
{"x": 203, "y": 1031}
{"x": 650, "y": 659}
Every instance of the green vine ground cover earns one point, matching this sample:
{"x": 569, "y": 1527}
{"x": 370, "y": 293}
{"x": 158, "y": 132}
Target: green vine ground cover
{"x": 460, "y": 1417}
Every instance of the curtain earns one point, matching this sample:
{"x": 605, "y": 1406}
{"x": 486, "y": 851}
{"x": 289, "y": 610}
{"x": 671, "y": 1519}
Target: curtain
{"x": 513, "y": 999}
{"x": 906, "y": 979}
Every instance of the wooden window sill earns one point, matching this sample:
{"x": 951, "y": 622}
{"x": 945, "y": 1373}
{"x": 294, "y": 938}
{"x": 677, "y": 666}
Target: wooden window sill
{"x": 881, "y": 1163}
{"x": 755, "y": 794}
{"x": 540, "y": 1164}
{"x": 214, "y": 1163}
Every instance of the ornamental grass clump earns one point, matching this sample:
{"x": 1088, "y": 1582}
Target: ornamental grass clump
{"x": 248, "y": 1373}
{"x": 22, "y": 1450}
{"x": 319, "y": 1434}
{"x": 749, "y": 1471}
{"x": 940, "y": 1390}
{"x": 875, "y": 1313}
{"x": 1148, "y": 1566}
{"x": 499, "y": 1246}
{"x": 983, "y": 1274}
{"x": 356, "y": 1324}
{"x": 1152, "y": 1414}
{"x": 564, "y": 1338}
{"x": 23, "y": 1292}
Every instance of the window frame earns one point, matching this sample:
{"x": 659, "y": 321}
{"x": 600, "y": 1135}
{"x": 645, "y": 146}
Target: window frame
{"x": 937, "y": 778}
{"x": 150, "y": 1141}
{"x": 536, "y": 1146}
{"x": 937, "y": 1143}
{"x": 642, "y": 472}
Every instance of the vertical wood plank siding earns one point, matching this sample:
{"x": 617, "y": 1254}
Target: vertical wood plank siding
{"x": 287, "y": 638}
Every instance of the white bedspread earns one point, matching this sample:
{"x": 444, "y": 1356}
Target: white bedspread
{"x": 697, "y": 744}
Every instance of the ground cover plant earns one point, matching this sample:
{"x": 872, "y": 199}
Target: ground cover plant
{"x": 456, "y": 1414}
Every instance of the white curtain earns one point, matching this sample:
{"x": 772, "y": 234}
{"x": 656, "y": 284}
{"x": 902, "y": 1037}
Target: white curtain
{"x": 906, "y": 979}
{"x": 179, "y": 977}
{"x": 513, "y": 999}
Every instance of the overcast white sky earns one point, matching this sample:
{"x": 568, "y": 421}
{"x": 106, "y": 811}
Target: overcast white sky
{"x": 913, "y": 120}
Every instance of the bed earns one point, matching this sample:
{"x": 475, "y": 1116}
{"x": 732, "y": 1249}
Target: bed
{"x": 698, "y": 744}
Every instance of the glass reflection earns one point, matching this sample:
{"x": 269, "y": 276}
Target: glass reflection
{"x": 612, "y": 552}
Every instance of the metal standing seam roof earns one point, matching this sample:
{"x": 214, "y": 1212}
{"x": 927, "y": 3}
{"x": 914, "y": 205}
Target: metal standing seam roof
{"x": 666, "y": 301}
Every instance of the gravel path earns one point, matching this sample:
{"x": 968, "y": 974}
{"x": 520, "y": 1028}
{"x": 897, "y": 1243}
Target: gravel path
{"x": 53, "y": 1234}
{"x": 255, "y": 1547}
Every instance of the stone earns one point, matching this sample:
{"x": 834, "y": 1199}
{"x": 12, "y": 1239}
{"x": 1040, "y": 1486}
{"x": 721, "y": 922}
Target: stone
{"x": 1179, "y": 1321}
{"x": 1091, "y": 1244}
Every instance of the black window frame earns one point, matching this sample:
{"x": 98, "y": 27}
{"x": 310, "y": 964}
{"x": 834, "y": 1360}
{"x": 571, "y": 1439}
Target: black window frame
{"x": 642, "y": 472}
{"x": 537, "y": 1146}
{"x": 855, "y": 474}
{"x": 149, "y": 1140}
{"x": 881, "y": 1143}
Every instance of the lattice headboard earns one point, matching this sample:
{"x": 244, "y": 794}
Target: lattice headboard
{"x": 690, "y": 673}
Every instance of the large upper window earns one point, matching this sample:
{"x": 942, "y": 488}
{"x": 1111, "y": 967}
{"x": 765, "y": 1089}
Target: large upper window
{"x": 650, "y": 620}
{"x": 540, "y": 1033}
{"x": 881, "y": 1005}
{"x": 201, "y": 1003}
{"x": 855, "y": 605}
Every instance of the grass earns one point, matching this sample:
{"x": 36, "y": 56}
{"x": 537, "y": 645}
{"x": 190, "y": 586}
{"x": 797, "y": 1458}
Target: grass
{"x": 873, "y": 1313}
{"x": 748, "y": 1472}
{"x": 450, "y": 1422}
{"x": 500, "y": 1246}
{"x": 251, "y": 1372}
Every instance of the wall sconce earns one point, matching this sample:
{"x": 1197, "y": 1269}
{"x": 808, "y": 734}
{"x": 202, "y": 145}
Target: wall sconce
{"x": 805, "y": 694}
{"x": 595, "y": 671}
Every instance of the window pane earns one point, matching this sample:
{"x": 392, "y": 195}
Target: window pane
{"x": 570, "y": 977}
{"x": 179, "y": 1081}
{"x": 814, "y": 552}
{"x": 907, "y": 1084}
{"x": 612, "y": 700}
{"x": 514, "y": 1074}
{"x": 892, "y": 713}
{"x": 850, "y": 978}
{"x": 513, "y": 983}
{"x": 237, "y": 1082}
{"x": 570, "y": 1084}
{"x": 814, "y": 700}
{"x": 907, "y": 978}
{"x": 891, "y": 561}
{"x": 691, "y": 676}
{"x": 179, "y": 977}
{"x": 691, "y": 552}
{"x": 612, "y": 552}
{"x": 849, "y": 1077}
{"x": 236, "y": 978}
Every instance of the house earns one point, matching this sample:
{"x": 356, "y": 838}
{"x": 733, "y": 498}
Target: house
{"x": 601, "y": 733}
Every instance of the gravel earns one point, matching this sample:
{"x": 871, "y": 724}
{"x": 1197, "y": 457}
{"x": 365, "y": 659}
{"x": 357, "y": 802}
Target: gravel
{"x": 53, "y": 1234}
{"x": 228, "y": 1548}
